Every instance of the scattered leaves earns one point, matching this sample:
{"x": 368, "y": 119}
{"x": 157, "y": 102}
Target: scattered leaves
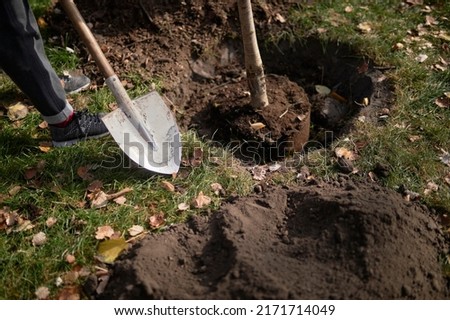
{"x": 14, "y": 190}
{"x": 70, "y": 259}
{"x": 17, "y": 111}
{"x": 183, "y": 206}
{"x": 421, "y": 58}
{"x": 100, "y": 199}
{"x": 83, "y": 173}
{"x": 45, "y": 146}
{"x": 156, "y": 220}
{"x": 104, "y": 232}
{"x": 431, "y": 187}
{"x": 342, "y": 152}
{"x": 201, "y": 201}
{"x": 42, "y": 293}
{"x": 443, "y": 102}
{"x": 39, "y": 239}
{"x": 323, "y": 90}
{"x": 120, "y": 200}
{"x": 110, "y": 249}
{"x": 217, "y": 189}
{"x": 365, "y": 27}
{"x": 257, "y": 126}
{"x": 445, "y": 158}
{"x": 168, "y": 186}
{"x": 259, "y": 172}
{"x": 135, "y": 230}
{"x": 50, "y": 222}
{"x": 69, "y": 293}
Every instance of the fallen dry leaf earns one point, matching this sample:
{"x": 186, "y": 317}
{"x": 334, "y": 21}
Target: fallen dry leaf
{"x": 201, "y": 201}
{"x": 168, "y": 186}
{"x": 109, "y": 250}
{"x": 39, "y": 239}
{"x": 365, "y": 27}
{"x": 104, "y": 232}
{"x": 50, "y": 222}
{"x": 183, "y": 206}
{"x": 17, "y": 111}
{"x": 70, "y": 258}
{"x": 95, "y": 185}
{"x": 257, "y": 126}
{"x": 43, "y": 125}
{"x": 42, "y": 293}
{"x": 14, "y": 190}
{"x": 83, "y": 173}
{"x": 69, "y": 293}
{"x": 445, "y": 158}
{"x": 421, "y": 58}
{"x": 323, "y": 90}
{"x": 442, "y": 102}
{"x": 259, "y": 172}
{"x": 447, "y": 179}
{"x": 217, "y": 189}
{"x": 45, "y": 146}
{"x": 120, "y": 200}
{"x": 135, "y": 230}
{"x": 30, "y": 173}
{"x": 342, "y": 152}
{"x": 100, "y": 199}
{"x": 156, "y": 220}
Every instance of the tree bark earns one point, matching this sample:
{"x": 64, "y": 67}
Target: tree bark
{"x": 253, "y": 63}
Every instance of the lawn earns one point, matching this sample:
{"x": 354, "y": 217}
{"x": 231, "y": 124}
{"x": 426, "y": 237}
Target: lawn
{"x": 50, "y": 223}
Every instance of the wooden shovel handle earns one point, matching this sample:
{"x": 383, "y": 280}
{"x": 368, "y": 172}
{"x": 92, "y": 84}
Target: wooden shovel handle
{"x": 88, "y": 38}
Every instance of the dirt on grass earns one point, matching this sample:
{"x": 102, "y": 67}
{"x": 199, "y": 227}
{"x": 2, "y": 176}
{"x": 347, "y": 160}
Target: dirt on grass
{"x": 340, "y": 240}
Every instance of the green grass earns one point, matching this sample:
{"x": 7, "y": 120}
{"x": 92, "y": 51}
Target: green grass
{"x": 58, "y": 191}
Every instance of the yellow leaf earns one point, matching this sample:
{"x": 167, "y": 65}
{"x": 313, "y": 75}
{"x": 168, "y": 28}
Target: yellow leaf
{"x": 109, "y": 250}
{"x": 342, "y": 152}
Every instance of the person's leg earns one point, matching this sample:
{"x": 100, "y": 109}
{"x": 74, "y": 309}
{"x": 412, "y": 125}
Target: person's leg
{"x": 22, "y": 57}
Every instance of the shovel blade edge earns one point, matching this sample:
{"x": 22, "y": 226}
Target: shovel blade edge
{"x": 163, "y": 155}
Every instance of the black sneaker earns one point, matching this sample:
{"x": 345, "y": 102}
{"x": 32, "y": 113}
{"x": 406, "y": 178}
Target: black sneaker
{"x": 83, "y": 126}
{"x": 74, "y": 83}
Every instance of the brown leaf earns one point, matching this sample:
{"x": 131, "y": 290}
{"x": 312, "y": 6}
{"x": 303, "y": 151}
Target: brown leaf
{"x": 95, "y": 185}
{"x": 30, "y": 173}
{"x": 120, "y": 200}
{"x": 14, "y": 190}
{"x": 157, "y": 220}
{"x": 45, "y": 146}
{"x": 69, "y": 293}
{"x": 365, "y": 27}
{"x": 442, "y": 102}
{"x": 104, "y": 232}
{"x": 201, "y": 201}
{"x": 70, "y": 258}
{"x": 39, "y": 239}
{"x": 17, "y": 111}
{"x": 183, "y": 206}
{"x": 342, "y": 152}
{"x": 168, "y": 186}
{"x": 98, "y": 199}
{"x": 43, "y": 125}
{"x": 83, "y": 173}
{"x": 135, "y": 230}
{"x": 217, "y": 189}
{"x": 42, "y": 293}
{"x": 50, "y": 222}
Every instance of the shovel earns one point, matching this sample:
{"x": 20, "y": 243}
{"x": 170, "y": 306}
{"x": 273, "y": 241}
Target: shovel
{"x": 144, "y": 128}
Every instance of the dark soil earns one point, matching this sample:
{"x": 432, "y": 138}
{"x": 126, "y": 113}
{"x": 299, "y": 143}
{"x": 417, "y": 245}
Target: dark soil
{"x": 342, "y": 241}
{"x": 337, "y": 241}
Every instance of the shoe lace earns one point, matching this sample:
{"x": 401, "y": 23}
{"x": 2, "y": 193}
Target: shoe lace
{"x": 86, "y": 116}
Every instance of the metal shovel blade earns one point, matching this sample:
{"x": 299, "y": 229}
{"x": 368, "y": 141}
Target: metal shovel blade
{"x": 163, "y": 153}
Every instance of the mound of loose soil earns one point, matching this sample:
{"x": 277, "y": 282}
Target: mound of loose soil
{"x": 341, "y": 241}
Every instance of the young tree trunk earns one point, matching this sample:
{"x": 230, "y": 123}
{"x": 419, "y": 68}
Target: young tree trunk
{"x": 253, "y": 63}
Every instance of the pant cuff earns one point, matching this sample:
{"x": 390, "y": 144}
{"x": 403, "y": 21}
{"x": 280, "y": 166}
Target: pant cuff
{"x": 61, "y": 116}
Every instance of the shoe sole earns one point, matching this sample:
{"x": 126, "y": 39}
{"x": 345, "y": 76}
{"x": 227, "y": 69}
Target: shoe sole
{"x": 78, "y": 90}
{"x": 59, "y": 144}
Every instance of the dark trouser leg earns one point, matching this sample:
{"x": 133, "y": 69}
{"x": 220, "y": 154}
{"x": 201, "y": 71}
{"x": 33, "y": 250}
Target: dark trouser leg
{"x": 23, "y": 58}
